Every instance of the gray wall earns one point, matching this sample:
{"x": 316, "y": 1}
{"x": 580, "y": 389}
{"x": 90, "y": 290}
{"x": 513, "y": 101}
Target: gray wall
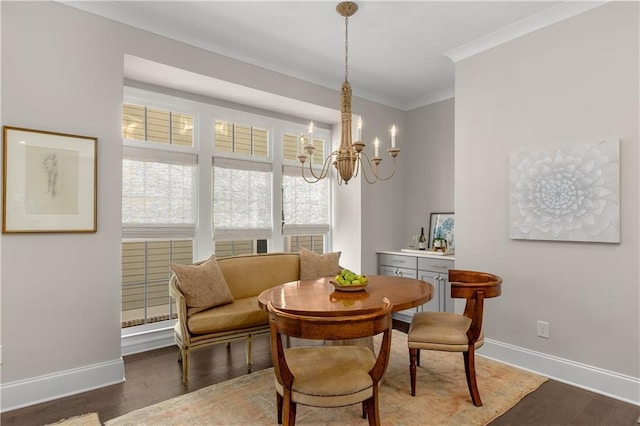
{"x": 62, "y": 70}
{"x": 60, "y": 292}
{"x": 570, "y": 83}
{"x": 429, "y": 188}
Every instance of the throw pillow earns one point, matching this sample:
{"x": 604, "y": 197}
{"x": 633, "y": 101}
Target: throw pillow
{"x": 203, "y": 285}
{"x": 314, "y": 265}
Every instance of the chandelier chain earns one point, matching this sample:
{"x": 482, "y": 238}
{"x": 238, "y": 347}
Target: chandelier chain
{"x": 346, "y": 48}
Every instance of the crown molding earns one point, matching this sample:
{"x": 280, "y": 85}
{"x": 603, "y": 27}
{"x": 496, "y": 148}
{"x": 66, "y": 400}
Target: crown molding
{"x": 429, "y": 99}
{"x": 523, "y": 27}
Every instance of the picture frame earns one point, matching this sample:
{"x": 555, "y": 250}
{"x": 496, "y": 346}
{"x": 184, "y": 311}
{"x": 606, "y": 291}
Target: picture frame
{"x": 49, "y": 182}
{"x": 442, "y": 225}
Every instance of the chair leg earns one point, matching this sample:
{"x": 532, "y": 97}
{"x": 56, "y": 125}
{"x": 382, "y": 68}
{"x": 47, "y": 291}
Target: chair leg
{"x": 470, "y": 371}
{"x": 279, "y": 401}
{"x": 289, "y": 409}
{"x": 184, "y": 355}
{"x": 249, "y": 349}
{"x": 372, "y": 408}
{"x": 413, "y": 355}
{"x": 418, "y": 358}
{"x": 364, "y": 409}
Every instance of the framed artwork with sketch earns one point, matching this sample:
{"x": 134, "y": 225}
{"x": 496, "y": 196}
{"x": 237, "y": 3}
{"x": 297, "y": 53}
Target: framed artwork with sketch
{"x": 49, "y": 182}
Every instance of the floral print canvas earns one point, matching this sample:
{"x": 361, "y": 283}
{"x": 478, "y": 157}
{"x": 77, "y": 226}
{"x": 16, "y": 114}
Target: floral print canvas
{"x": 567, "y": 194}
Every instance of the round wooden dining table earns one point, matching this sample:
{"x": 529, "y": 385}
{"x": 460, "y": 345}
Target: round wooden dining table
{"x": 320, "y": 298}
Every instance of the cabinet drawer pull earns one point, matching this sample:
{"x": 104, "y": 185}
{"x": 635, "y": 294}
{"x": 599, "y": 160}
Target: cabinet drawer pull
{"x": 439, "y": 266}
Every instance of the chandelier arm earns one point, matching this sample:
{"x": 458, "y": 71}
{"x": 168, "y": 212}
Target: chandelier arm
{"x": 374, "y": 169}
{"x": 323, "y": 173}
{"x": 327, "y": 162}
{"x": 327, "y": 165}
{"x": 357, "y": 167}
{"x": 364, "y": 172}
{"x": 315, "y": 178}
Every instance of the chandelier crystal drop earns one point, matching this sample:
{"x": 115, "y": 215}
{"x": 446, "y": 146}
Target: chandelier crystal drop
{"x": 350, "y": 157}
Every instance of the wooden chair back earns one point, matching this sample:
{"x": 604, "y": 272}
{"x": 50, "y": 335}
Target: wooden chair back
{"x": 360, "y": 324}
{"x": 355, "y": 326}
{"x": 475, "y": 287}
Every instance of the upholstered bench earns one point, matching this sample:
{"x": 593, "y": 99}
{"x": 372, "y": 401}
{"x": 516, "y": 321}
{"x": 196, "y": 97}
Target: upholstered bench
{"x": 217, "y": 299}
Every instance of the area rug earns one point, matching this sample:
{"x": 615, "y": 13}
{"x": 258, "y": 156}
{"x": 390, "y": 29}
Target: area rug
{"x": 441, "y": 397}
{"x": 89, "y": 419}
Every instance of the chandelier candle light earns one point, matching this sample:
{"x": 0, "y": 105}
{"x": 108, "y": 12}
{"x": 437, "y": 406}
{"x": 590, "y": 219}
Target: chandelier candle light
{"x": 350, "y": 157}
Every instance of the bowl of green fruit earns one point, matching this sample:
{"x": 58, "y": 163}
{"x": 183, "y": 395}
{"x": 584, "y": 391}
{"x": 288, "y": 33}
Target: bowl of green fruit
{"x": 349, "y": 281}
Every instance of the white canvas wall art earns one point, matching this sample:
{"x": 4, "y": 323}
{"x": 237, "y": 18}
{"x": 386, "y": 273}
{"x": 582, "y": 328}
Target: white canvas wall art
{"x": 567, "y": 194}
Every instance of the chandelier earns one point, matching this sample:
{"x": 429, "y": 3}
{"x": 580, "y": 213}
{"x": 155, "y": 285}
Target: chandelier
{"x": 350, "y": 157}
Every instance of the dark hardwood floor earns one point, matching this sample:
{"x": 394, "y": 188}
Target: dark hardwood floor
{"x": 155, "y": 376}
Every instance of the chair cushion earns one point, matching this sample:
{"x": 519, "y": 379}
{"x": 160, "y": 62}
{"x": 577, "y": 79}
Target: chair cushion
{"x": 203, "y": 285}
{"x": 330, "y": 376}
{"x": 314, "y": 265}
{"x": 242, "y": 313}
{"x": 442, "y": 331}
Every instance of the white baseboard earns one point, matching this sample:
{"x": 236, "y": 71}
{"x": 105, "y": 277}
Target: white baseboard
{"x": 147, "y": 340}
{"x": 598, "y": 380}
{"x": 32, "y": 391}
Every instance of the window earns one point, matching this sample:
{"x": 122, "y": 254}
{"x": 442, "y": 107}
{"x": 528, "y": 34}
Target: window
{"x": 185, "y": 198}
{"x": 241, "y": 199}
{"x": 158, "y": 193}
{"x": 157, "y": 125}
{"x": 145, "y": 274}
{"x": 241, "y": 139}
{"x": 159, "y": 185}
{"x": 292, "y": 145}
{"x": 310, "y": 242}
{"x": 234, "y": 248}
{"x": 305, "y": 206}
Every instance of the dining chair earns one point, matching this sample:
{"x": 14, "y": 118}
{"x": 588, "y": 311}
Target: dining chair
{"x": 451, "y": 332}
{"x": 329, "y": 376}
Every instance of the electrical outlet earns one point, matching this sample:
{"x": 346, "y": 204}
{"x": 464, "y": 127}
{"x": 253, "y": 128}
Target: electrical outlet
{"x": 543, "y": 329}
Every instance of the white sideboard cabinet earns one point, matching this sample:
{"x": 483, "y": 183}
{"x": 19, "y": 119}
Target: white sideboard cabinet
{"x": 431, "y": 268}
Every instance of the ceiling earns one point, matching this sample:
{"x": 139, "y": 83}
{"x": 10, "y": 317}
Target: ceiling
{"x": 401, "y": 54}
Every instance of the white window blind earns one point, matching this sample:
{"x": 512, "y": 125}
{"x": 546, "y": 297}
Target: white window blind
{"x": 158, "y": 194}
{"x": 242, "y": 199}
{"x": 305, "y": 205}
